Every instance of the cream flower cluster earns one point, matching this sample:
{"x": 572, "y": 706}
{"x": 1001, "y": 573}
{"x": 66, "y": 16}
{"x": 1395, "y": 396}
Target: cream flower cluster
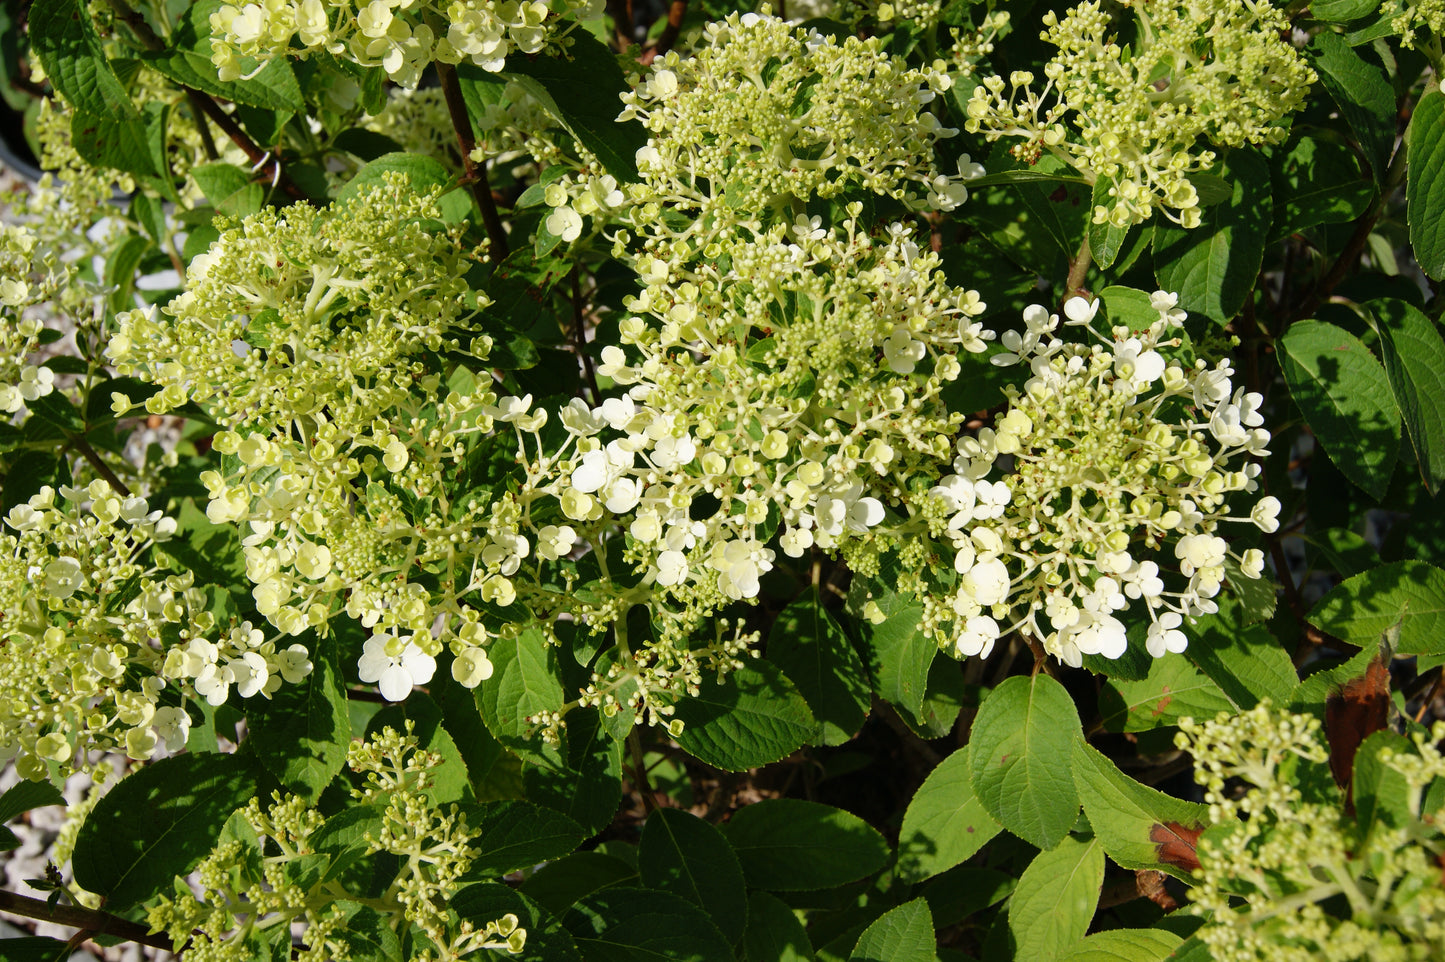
{"x": 313, "y": 336}
{"x": 304, "y": 316}
{"x": 400, "y": 36}
{"x": 83, "y": 628}
{"x": 794, "y": 390}
{"x": 765, "y": 114}
{"x": 1109, "y": 454}
{"x": 248, "y": 885}
{"x": 1282, "y": 879}
{"x": 29, "y": 275}
{"x": 1130, "y": 115}
{"x": 1427, "y": 15}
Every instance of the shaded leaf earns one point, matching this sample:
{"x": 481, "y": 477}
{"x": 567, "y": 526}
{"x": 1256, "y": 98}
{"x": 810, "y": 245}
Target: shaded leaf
{"x": 810, "y": 648}
{"x": 1414, "y": 356}
{"x": 624, "y": 924}
{"x": 752, "y": 718}
{"x": 790, "y": 845}
{"x": 185, "y": 799}
{"x": 1345, "y": 396}
{"x": 680, "y": 853}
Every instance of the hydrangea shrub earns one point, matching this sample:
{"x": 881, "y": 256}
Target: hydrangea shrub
{"x": 766, "y": 484}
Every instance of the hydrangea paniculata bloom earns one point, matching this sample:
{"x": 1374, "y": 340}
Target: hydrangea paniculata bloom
{"x": 397, "y": 35}
{"x": 1109, "y": 456}
{"x": 1129, "y": 115}
{"x": 1288, "y": 876}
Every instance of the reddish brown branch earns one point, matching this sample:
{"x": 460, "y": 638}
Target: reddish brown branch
{"x": 676, "y": 12}
{"x": 265, "y": 164}
{"x": 476, "y": 172}
{"x": 89, "y": 921}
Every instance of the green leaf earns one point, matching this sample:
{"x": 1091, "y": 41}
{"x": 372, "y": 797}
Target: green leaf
{"x": 682, "y": 854}
{"x": 902, "y": 934}
{"x": 899, "y": 654}
{"x": 1415, "y": 364}
{"x": 1342, "y": 11}
{"x": 810, "y": 648}
{"x": 524, "y": 682}
{"x": 1133, "y": 821}
{"x": 752, "y": 718}
{"x": 774, "y": 933}
{"x": 423, "y": 174}
{"x": 64, "y": 38}
{"x": 220, "y": 180}
{"x": 945, "y": 823}
{"x": 1425, "y": 183}
{"x": 1363, "y": 94}
{"x": 557, "y": 885}
{"x": 1051, "y": 909}
{"x": 157, "y": 823}
{"x": 1105, "y": 240}
{"x": 1128, "y": 307}
{"x": 581, "y": 90}
{"x": 1213, "y": 266}
{"x": 1344, "y": 395}
{"x": 547, "y": 939}
{"x": 1245, "y": 660}
{"x": 789, "y": 845}
{"x": 24, "y": 796}
{"x": 1316, "y": 182}
{"x": 1019, "y": 751}
{"x": 1172, "y": 690}
{"x": 301, "y": 734}
{"x": 514, "y": 834}
{"x": 1408, "y": 593}
{"x": 450, "y": 781}
{"x": 589, "y": 787}
{"x": 1380, "y": 793}
{"x": 625, "y": 924}
{"x": 1124, "y": 945}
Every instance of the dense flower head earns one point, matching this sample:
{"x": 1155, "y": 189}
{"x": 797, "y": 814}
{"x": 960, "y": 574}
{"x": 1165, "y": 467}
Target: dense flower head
{"x": 763, "y": 114}
{"x": 1109, "y": 456}
{"x": 792, "y": 383}
{"x": 1130, "y": 115}
{"x": 85, "y": 625}
{"x": 400, "y": 36}
{"x": 1283, "y": 877}
{"x": 297, "y": 310}
{"x": 30, "y": 274}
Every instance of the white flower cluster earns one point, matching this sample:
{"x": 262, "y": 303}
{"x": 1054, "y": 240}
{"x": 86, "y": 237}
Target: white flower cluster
{"x": 29, "y": 275}
{"x": 1211, "y": 69}
{"x": 243, "y": 657}
{"x": 84, "y": 628}
{"x": 396, "y": 35}
{"x": 795, "y": 389}
{"x": 765, "y": 113}
{"x": 1108, "y": 452}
